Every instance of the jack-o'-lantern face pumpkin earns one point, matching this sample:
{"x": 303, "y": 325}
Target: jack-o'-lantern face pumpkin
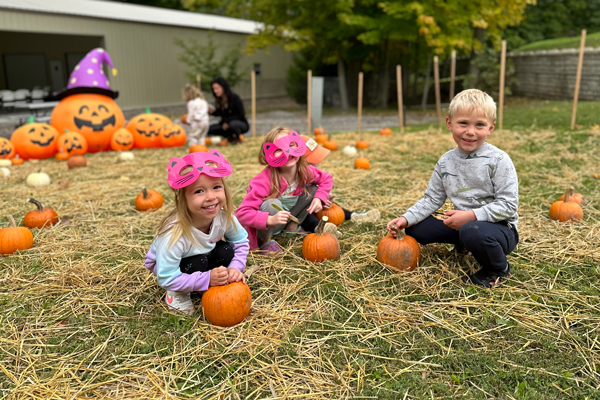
{"x": 95, "y": 116}
{"x": 172, "y": 135}
{"x": 72, "y": 143}
{"x": 35, "y": 140}
{"x": 122, "y": 140}
{"x": 145, "y": 129}
{"x": 7, "y": 149}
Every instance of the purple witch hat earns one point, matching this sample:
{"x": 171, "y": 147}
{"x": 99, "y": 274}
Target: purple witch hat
{"x": 88, "y": 76}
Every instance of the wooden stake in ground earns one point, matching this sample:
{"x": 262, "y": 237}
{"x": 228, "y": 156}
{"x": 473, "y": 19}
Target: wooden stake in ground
{"x": 198, "y": 82}
{"x": 436, "y": 77}
{"x": 578, "y": 78}
{"x": 360, "y": 99}
{"x": 308, "y": 94}
{"x": 452, "y": 73}
{"x": 400, "y": 103}
{"x": 501, "y": 93}
{"x": 253, "y": 97}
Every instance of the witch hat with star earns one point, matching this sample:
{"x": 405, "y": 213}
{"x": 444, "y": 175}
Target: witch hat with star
{"x": 88, "y": 76}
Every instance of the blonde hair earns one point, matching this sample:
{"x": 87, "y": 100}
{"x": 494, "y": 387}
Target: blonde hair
{"x": 303, "y": 174}
{"x": 473, "y": 99}
{"x": 191, "y": 92}
{"x": 179, "y": 220}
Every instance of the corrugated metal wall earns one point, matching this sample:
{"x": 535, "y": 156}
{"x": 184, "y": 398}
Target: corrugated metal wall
{"x": 145, "y": 55}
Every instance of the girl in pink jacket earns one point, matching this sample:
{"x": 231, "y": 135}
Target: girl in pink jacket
{"x": 284, "y": 193}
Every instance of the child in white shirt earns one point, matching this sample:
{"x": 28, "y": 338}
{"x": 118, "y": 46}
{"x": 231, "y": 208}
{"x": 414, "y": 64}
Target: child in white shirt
{"x": 197, "y": 114}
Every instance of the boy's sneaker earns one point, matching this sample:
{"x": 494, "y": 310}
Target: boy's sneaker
{"x": 488, "y": 279}
{"x": 369, "y": 216}
{"x": 180, "y": 302}
{"x": 271, "y": 248}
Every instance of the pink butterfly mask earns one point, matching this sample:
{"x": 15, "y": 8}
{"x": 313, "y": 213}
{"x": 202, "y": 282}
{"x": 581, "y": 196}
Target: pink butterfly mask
{"x": 278, "y": 153}
{"x": 211, "y": 163}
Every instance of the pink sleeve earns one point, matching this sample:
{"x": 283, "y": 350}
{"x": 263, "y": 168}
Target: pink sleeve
{"x": 248, "y": 213}
{"x": 325, "y": 182}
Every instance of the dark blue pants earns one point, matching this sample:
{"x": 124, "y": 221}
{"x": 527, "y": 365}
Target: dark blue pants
{"x": 489, "y": 242}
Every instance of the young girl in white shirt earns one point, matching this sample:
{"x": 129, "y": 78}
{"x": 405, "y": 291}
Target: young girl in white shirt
{"x": 188, "y": 253}
{"x": 197, "y": 114}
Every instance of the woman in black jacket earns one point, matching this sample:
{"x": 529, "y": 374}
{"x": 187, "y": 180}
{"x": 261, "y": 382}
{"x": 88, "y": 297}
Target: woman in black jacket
{"x": 230, "y": 108}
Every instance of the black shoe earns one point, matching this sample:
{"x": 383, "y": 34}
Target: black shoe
{"x": 487, "y": 278}
{"x": 460, "y": 250}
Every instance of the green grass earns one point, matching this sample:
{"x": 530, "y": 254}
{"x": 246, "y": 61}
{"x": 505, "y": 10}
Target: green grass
{"x": 591, "y": 40}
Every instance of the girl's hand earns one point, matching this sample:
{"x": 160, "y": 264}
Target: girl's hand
{"x": 235, "y": 275}
{"x": 328, "y": 204}
{"x": 396, "y": 224}
{"x": 278, "y": 219}
{"x": 316, "y": 205}
{"x": 458, "y": 218}
{"x": 225, "y": 126}
{"x": 219, "y": 277}
{"x": 211, "y": 109}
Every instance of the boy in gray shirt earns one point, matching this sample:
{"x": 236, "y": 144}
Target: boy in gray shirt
{"x": 481, "y": 181}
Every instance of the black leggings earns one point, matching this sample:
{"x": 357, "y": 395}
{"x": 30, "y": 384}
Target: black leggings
{"x": 221, "y": 255}
{"x": 236, "y": 128}
{"x": 311, "y": 221}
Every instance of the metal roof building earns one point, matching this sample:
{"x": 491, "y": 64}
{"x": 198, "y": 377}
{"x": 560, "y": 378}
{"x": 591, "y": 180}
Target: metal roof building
{"x": 42, "y": 40}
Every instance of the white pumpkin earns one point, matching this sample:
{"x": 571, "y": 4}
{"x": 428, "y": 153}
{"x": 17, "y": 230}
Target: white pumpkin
{"x": 126, "y": 156}
{"x": 38, "y": 179}
{"x": 5, "y": 163}
{"x": 350, "y": 151}
{"x": 5, "y": 172}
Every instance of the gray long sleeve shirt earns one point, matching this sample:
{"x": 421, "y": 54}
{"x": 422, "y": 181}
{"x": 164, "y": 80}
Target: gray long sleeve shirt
{"x": 484, "y": 180}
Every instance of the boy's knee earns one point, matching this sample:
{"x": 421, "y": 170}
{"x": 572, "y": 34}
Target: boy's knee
{"x": 471, "y": 233}
{"x": 267, "y": 206}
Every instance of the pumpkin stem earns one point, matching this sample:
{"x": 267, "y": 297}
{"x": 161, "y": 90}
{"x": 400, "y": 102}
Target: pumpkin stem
{"x": 145, "y": 192}
{"x": 319, "y": 228}
{"x": 148, "y": 110}
{"x": 31, "y": 120}
{"x": 399, "y": 234}
{"x": 568, "y": 194}
{"x": 37, "y": 204}
{"x": 11, "y": 221}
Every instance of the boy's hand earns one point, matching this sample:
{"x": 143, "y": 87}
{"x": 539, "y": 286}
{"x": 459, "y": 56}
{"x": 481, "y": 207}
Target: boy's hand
{"x": 458, "y": 218}
{"x": 396, "y": 224}
{"x": 278, "y": 219}
{"x": 219, "y": 277}
{"x": 315, "y": 206}
{"x": 235, "y": 275}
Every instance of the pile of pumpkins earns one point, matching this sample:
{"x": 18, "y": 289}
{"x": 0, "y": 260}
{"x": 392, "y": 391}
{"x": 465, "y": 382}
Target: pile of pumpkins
{"x": 349, "y": 151}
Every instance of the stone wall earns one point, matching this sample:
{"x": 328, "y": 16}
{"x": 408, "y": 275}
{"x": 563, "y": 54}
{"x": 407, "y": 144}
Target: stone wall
{"x": 550, "y": 74}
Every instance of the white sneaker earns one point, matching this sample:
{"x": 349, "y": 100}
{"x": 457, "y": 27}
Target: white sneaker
{"x": 331, "y": 228}
{"x": 369, "y": 216}
{"x": 180, "y": 302}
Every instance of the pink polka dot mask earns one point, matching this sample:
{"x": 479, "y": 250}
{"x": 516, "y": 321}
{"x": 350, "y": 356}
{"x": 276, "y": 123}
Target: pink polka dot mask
{"x": 278, "y": 153}
{"x": 211, "y": 163}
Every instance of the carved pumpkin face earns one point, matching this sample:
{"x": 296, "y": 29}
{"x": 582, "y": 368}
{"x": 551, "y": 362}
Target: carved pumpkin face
{"x": 72, "y": 143}
{"x": 95, "y": 116}
{"x": 122, "y": 140}
{"x": 35, "y": 140}
{"x": 172, "y": 135}
{"x": 145, "y": 129}
{"x": 7, "y": 149}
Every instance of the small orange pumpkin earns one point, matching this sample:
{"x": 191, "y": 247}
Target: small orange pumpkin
{"x": 362, "y": 163}
{"x": 401, "y": 253}
{"x": 385, "y": 131}
{"x": 223, "y": 142}
{"x": 566, "y": 210}
{"x": 35, "y": 140}
{"x": 207, "y": 141}
{"x": 321, "y": 138}
{"x": 577, "y": 198}
{"x": 145, "y": 129}
{"x": 72, "y": 143}
{"x": 227, "y": 305}
{"x": 7, "y": 149}
{"x": 319, "y": 131}
{"x": 149, "y": 200}
{"x": 121, "y": 140}
{"x": 184, "y": 119}
{"x": 16, "y": 160}
{"x": 335, "y": 214}
{"x": 362, "y": 144}
{"x": 198, "y": 148}
{"x": 76, "y": 162}
{"x": 40, "y": 218}
{"x": 14, "y": 238}
{"x": 330, "y": 144}
{"x": 319, "y": 246}
{"x": 172, "y": 135}
{"x": 62, "y": 156}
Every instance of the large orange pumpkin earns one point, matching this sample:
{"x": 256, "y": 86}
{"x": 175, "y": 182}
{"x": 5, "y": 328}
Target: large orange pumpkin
{"x": 145, "y": 129}
{"x": 7, "y": 149}
{"x": 172, "y": 135}
{"x": 14, "y": 238}
{"x": 35, "y": 140}
{"x": 95, "y": 116}
{"x": 227, "y": 305}
{"x": 566, "y": 210}
{"x": 72, "y": 143}
{"x": 122, "y": 140}
{"x": 335, "y": 214}
{"x": 319, "y": 246}
{"x": 401, "y": 253}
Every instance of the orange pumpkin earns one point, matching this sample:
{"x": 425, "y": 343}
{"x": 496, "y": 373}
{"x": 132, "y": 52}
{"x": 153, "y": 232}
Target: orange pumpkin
{"x": 149, "y": 200}
{"x": 335, "y": 214}
{"x": 227, "y": 305}
{"x": 577, "y": 198}
{"x": 207, "y": 141}
{"x": 40, "y": 218}
{"x": 223, "y": 142}
{"x": 198, "y": 148}
{"x": 401, "y": 253}
{"x": 319, "y": 246}
{"x": 62, "y": 156}
{"x": 35, "y": 140}
{"x": 172, "y": 135}
{"x": 14, "y": 238}
{"x": 72, "y": 143}
{"x": 122, "y": 140}
{"x": 17, "y": 160}
{"x": 184, "y": 119}
{"x": 95, "y": 116}
{"x": 145, "y": 129}
{"x": 385, "y": 131}
{"x": 319, "y": 131}
{"x": 362, "y": 144}
{"x": 566, "y": 210}
{"x": 330, "y": 144}
{"x": 321, "y": 138}
{"x": 7, "y": 149}
{"x": 76, "y": 162}
{"x": 362, "y": 163}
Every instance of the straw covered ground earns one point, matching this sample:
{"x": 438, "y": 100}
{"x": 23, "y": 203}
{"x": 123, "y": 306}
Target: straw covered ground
{"x": 81, "y": 317}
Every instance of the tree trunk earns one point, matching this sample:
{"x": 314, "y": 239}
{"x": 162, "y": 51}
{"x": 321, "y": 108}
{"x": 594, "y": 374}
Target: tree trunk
{"x": 384, "y": 77}
{"x": 478, "y": 35}
{"x": 426, "y": 86}
{"x": 341, "y": 69}
{"x": 416, "y": 72}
